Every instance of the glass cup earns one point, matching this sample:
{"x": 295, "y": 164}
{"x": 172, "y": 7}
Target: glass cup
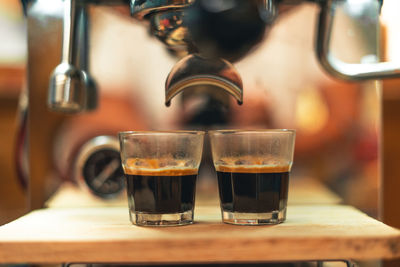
{"x": 161, "y": 171}
{"x": 253, "y": 174}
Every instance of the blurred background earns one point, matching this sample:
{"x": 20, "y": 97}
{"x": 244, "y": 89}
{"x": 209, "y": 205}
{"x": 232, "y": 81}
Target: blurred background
{"x": 14, "y": 198}
{"x": 339, "y": 124}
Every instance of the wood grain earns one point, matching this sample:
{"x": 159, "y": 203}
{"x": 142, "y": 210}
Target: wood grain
{"x": 106, "y": 235}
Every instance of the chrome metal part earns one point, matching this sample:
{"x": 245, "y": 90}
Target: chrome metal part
{"x": 66, "y": 93}
{"x": 71, "y": 89}
{"x": 98, "y": 168}
{"x": 105, "y": 2}
{"x": 195, "y": 70}
{"x": 168, "y": 28}
{"x": 270, "y": 10}
{"x": 66, "y": 83}
{"x": 141, "y": 8}
{"x": 82, "y": 56}
{"x": 335, "y": 66}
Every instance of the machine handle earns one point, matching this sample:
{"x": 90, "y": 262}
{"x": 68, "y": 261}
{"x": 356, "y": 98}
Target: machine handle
{"x": 335, "y": 66}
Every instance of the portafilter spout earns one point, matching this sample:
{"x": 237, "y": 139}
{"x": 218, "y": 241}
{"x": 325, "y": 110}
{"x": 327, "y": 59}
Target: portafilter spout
{"x": 194, "y": 70}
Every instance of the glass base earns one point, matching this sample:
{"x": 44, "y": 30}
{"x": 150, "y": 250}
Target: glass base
{"x": 241, "y": 218}
{"x": 166, "y": 219}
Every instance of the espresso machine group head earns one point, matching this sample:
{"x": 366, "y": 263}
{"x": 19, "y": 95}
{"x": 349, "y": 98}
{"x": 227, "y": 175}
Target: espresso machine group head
{"x": 207, "y": 36}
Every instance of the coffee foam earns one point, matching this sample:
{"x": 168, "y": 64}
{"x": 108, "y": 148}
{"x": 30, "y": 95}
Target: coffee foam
{"x": 252, "y": 164}
{"x": 159, "y": 167}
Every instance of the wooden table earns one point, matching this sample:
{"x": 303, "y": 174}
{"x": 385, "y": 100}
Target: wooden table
{"x": 89, "y": 235}
{"x": 77, "y": 227}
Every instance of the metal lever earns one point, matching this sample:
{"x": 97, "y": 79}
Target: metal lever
{"x": 69, "y": 86}
{"x": 335, "y": 66}
{"x": 82, "y": 57}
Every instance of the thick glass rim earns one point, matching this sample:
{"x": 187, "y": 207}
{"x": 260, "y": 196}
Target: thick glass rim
{"x": 178, "y": 132}
{"x": 250, "y": 131}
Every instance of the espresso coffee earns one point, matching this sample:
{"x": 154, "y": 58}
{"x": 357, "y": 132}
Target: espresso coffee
{"x": 154, "y": 189}
{"x": 253, "y": 189}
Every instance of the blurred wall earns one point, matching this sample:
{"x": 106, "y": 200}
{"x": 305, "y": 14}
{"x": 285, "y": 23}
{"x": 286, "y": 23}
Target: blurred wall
{"x": 13, "y": 198}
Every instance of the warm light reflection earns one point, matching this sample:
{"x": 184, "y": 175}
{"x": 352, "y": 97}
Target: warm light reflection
{"x": 391, "y": 20}
{"x": 311, "y": 111}
{"x": 357, "y": 7}
{"x": 48, "y": 7}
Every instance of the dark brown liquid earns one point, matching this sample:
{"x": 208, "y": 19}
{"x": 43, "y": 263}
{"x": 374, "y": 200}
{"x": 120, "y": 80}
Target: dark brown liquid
{"x": 154, "y": 189}
{"x": 161, "y": 194}
{"x": 252, "y": 191}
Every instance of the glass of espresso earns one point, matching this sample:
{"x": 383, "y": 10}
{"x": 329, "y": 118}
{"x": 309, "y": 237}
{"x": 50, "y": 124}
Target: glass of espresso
{"x": 253, "y": 174}
{"x": 161, "y": 171}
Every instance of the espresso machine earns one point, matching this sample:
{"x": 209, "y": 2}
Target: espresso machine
{"x": 205, "y": 38}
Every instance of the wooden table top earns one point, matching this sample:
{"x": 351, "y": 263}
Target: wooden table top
{"x": 105, "y": 234}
